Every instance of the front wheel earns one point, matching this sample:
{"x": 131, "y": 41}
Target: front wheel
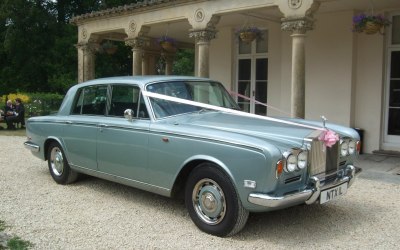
{"x": 58, "y": 165}
{"x": 212, "y": 201}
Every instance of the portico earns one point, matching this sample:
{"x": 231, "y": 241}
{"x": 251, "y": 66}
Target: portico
{"x": 307, "y": 64}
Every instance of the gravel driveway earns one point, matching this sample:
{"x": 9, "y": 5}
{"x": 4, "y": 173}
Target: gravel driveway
{"x": 97, "y": 214}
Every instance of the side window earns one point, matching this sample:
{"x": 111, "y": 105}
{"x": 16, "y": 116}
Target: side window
{"x": 127, "y": 97}
{"x": 91, "y": 101}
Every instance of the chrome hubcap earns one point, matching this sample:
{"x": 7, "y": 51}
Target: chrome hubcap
{"x": 209, "y": 201}
{"x": 56, "y": 161}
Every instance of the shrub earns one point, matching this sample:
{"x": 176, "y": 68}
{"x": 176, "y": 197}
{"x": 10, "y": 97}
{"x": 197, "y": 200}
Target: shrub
{"x": 36, "y": 103}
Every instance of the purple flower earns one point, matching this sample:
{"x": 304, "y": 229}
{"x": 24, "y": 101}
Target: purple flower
{"x": 166, "y": 39}
{"x": 360, "y": 21}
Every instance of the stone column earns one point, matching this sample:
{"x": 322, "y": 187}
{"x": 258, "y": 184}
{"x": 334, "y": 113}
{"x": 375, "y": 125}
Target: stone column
{"x": 298, "y": 27}
{"x": 137, "y": 45}
{"x": 86, "y": 60}
{"x": 203, "y": 38}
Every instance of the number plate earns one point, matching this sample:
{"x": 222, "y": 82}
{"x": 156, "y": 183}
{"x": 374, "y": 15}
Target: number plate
{"x": 333, "y": 193}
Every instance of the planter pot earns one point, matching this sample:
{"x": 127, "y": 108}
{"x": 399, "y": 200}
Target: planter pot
{"x": 167, "y": 46}
{"x": 111, "y": 50}
{"x": 247, "y": 36}
{"x": 372, "y": 28}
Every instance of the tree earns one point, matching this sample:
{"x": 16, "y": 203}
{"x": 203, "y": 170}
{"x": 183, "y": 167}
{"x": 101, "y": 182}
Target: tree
{"x": 25, "y": 47}
{"x": 37, "y": 52}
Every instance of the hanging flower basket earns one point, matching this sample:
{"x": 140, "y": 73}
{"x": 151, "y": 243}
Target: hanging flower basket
{"x": 109, "y": 48}
{"x": 247, "y": 36}
{"x": 372, "y": 28}
{"x": 168, "y": 46}
{"x": 167, "y": 43}
{"x": 369, "y": 24}
{"x": 248, "y": 33}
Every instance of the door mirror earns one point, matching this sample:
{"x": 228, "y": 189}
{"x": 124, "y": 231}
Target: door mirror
{"x": 128, "y": 114}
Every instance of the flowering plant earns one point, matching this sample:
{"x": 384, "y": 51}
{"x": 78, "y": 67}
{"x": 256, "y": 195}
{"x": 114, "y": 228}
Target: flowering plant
{"x": 361, "y": 21}
{"x": 244, "y": 31}
{"x": 252, "y": 29}
{"x": 164, "y": 39}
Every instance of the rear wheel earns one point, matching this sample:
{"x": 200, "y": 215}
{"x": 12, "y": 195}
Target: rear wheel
{"x": 212, "y": 201}
{"x": 58, "y": 165}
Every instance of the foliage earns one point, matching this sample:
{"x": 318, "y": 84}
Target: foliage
{"x": 16, "y": 243}
{"x": 184, "y": 62}
{"x": 43, "y": 104}
{"x": 24, "y": 98}
{"x": 117, "y": 64}
{"x": 36, "y": 103}
{"x": 360, "y": 21}
{"x": 37, "y": 52}
{"x": 249, "y": 28}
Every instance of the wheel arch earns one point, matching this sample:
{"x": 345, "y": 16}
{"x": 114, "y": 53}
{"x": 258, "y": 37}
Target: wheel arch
{"x": 47, "y": 143}
{"x": 187, "y": 168}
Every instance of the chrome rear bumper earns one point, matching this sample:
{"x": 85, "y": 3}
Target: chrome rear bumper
{"x": 32, "y": 146}
{"x": 309, "y": 195}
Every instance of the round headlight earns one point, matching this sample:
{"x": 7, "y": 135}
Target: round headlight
{"x": 352, "y": 147}
{"x": 302, "y": 160}
{"x": 291, "y": 163}
{"x": 344, "y": 148}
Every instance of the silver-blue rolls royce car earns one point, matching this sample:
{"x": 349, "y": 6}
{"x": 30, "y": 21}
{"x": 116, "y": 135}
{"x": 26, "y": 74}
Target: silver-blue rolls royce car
{"x": 175, "y": 135}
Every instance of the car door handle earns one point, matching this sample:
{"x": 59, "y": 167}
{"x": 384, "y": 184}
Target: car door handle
{"x": 103, "y": 125}
{"x": 68, "y": 122}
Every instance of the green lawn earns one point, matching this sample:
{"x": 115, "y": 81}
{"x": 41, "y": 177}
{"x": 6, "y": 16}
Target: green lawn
{"x": 17, "y": 132}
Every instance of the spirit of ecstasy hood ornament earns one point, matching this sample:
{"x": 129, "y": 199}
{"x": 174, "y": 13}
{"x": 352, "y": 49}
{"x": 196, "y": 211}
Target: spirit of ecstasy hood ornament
{"x": 323, "y": 121}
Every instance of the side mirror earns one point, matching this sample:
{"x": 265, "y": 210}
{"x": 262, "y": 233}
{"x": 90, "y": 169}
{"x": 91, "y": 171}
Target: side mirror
{"x": 128, "y": 114}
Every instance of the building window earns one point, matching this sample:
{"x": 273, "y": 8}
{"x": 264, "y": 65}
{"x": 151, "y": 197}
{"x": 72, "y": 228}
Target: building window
{"x": 252, "y": 74}
{"x": 392, "y": 117}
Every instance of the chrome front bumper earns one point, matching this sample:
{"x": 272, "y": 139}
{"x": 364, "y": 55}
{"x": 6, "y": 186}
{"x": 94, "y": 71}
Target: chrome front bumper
{"x": 32, "y": 146}
{"x": 309, "y": 195}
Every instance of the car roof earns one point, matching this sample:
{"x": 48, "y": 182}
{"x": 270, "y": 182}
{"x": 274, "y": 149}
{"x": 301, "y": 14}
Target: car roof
{"x": 139, "y": 80}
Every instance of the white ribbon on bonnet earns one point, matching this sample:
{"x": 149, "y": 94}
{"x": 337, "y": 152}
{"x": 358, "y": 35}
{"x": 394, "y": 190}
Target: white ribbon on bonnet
{"x": 329, "y": 137}
{"x": 227, "y": 110}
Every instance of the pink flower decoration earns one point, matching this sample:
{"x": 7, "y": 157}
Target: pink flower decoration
{"x": 329, "y": 138}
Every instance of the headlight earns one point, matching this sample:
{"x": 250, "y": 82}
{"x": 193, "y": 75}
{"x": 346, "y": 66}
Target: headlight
{"x": 302, "y": 160}
{"x": 352, "y": 147}
{"x": 344, "y": 148}
{"x": 291, "y": 163}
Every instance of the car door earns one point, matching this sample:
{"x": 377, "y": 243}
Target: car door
{"x": 80, "y": 131}
{"x": 122, "y": 144}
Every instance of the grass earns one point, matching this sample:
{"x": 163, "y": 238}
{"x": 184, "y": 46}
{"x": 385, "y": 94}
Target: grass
{"x": 15, "y": 243}
{"x": 17, "y": 132}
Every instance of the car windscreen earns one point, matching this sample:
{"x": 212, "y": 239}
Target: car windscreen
{"x": 206, "y": 92}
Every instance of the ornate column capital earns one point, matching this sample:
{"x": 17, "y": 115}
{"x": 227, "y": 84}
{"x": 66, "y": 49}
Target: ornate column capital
{"x": 297, "y": 25}
{"x": 135, "y": 43}
{"x": 203, "y": 35}
{"x": 87, "y": 47}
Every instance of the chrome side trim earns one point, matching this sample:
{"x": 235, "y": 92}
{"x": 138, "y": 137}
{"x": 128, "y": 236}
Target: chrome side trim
{"x": 309, "y": 195}
{"x": 32, "y": 146}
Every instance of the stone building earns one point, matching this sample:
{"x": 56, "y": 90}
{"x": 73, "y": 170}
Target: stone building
{"x": 306, "y": 61}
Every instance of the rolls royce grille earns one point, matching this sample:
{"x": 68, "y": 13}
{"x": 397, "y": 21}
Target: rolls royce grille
{"x": 324, "y": 160}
